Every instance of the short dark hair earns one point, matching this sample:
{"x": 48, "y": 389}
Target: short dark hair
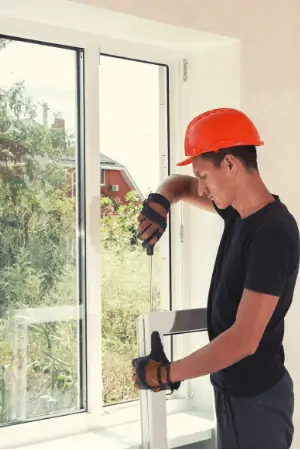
{"x": 246, "y": 154}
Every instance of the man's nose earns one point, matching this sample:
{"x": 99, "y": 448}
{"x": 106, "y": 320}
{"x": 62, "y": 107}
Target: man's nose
{"x": 201, "y": 188}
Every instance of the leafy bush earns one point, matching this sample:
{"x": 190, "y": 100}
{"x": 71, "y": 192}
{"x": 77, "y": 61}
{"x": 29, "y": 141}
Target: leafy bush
{"x": 125, "y": 293}
{"x": 125, "y": 296}
{"x": 119, "y": 226}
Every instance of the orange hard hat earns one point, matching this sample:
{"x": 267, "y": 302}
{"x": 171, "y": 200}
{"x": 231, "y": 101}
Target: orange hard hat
{"x": 216, "y": 129}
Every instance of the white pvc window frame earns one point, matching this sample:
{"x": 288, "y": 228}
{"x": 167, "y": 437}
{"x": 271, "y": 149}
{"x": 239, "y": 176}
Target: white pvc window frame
{"x": 153, "y": 406}
{"x": 102, "y": 177}
{"x": 56, "y": 427}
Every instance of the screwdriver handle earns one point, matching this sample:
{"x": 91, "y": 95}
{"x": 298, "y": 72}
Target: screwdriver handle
{"x": 150, "y": 250}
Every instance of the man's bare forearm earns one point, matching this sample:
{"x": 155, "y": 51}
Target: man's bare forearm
{"x": 175, "y": 187}
{"x": 184, "y": 187}
{"x": 222, "y": 352}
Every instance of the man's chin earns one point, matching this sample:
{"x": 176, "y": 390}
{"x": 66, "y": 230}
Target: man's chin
{"x": 220, "y": 204}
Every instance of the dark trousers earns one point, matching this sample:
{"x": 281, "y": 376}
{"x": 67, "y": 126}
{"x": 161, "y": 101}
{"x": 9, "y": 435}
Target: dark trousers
{"x": 262, "y": 421}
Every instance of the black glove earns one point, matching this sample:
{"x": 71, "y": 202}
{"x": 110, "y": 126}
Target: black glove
{"x": 152, "y": 372}
{"x": 152, "y": 223}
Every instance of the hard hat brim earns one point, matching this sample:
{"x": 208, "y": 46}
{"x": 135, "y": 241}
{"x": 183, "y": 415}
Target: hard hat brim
{"x": 185, "y": 162}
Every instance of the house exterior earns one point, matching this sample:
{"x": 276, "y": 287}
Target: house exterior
{"x": 115, "y": 180}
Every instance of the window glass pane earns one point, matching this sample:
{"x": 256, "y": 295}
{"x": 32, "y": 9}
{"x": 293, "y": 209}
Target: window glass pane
{"x": 130, "y": 117}
{"x": 40, "y": 325}
{"x": 102, "y": 177}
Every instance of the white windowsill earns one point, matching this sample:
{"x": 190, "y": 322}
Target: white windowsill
{"x": 120, "y": 428}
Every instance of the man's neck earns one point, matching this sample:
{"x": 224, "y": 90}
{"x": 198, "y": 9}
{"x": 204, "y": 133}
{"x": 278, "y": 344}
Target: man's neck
{"x": 252, "y": 196}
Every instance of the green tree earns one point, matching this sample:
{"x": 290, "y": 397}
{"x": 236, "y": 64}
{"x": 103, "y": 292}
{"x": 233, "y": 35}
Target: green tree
{"x": 37, "y": 218}
{"x": 119, "y": 226}
{"x": 37, "y": 249}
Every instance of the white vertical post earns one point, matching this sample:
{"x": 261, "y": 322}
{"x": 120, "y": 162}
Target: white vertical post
{"x": 18, "y": 392}
{"x": 145, "y": 430}
{"x": 153, "y": 405}
{"x": 22, "y": 370}
{"x": 13, "y": 393}
{"x": 154, "y": 428}
{"x": 93, "y": 256}
{"x": 163, "y": 123}
{"x": 80, "y": 228}
{"x": 164, "y": 244}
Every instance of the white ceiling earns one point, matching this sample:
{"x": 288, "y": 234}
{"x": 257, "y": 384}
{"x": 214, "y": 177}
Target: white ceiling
{"x": 148, "y": 11}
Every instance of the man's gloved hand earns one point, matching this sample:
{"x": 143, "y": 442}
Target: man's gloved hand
{"x": 153, "y": 219}
{"x": 152, "y": 372}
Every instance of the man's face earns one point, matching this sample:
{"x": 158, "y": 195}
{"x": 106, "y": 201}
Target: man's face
{"x": 217, "y": 183}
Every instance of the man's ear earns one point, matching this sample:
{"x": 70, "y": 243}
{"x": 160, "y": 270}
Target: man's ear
{"x": 230, "y": 162}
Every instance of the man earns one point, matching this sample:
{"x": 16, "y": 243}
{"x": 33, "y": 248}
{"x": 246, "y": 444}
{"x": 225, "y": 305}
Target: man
{"x": 251, "y": 288}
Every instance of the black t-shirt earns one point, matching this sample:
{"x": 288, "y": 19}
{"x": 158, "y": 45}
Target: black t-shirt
{"x": 259, "y": 253}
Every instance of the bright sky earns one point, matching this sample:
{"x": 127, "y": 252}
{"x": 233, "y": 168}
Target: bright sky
{"x": 129, "y": 102}
{"x": 129, "y": 118}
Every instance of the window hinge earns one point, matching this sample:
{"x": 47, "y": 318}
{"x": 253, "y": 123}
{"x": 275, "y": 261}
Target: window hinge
{"x": 185, "y": 69}
{"x": 181, "y": 233}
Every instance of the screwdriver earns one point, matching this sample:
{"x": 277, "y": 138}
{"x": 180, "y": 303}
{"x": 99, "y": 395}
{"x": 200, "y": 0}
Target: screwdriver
{"x": 150, "y": 253}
